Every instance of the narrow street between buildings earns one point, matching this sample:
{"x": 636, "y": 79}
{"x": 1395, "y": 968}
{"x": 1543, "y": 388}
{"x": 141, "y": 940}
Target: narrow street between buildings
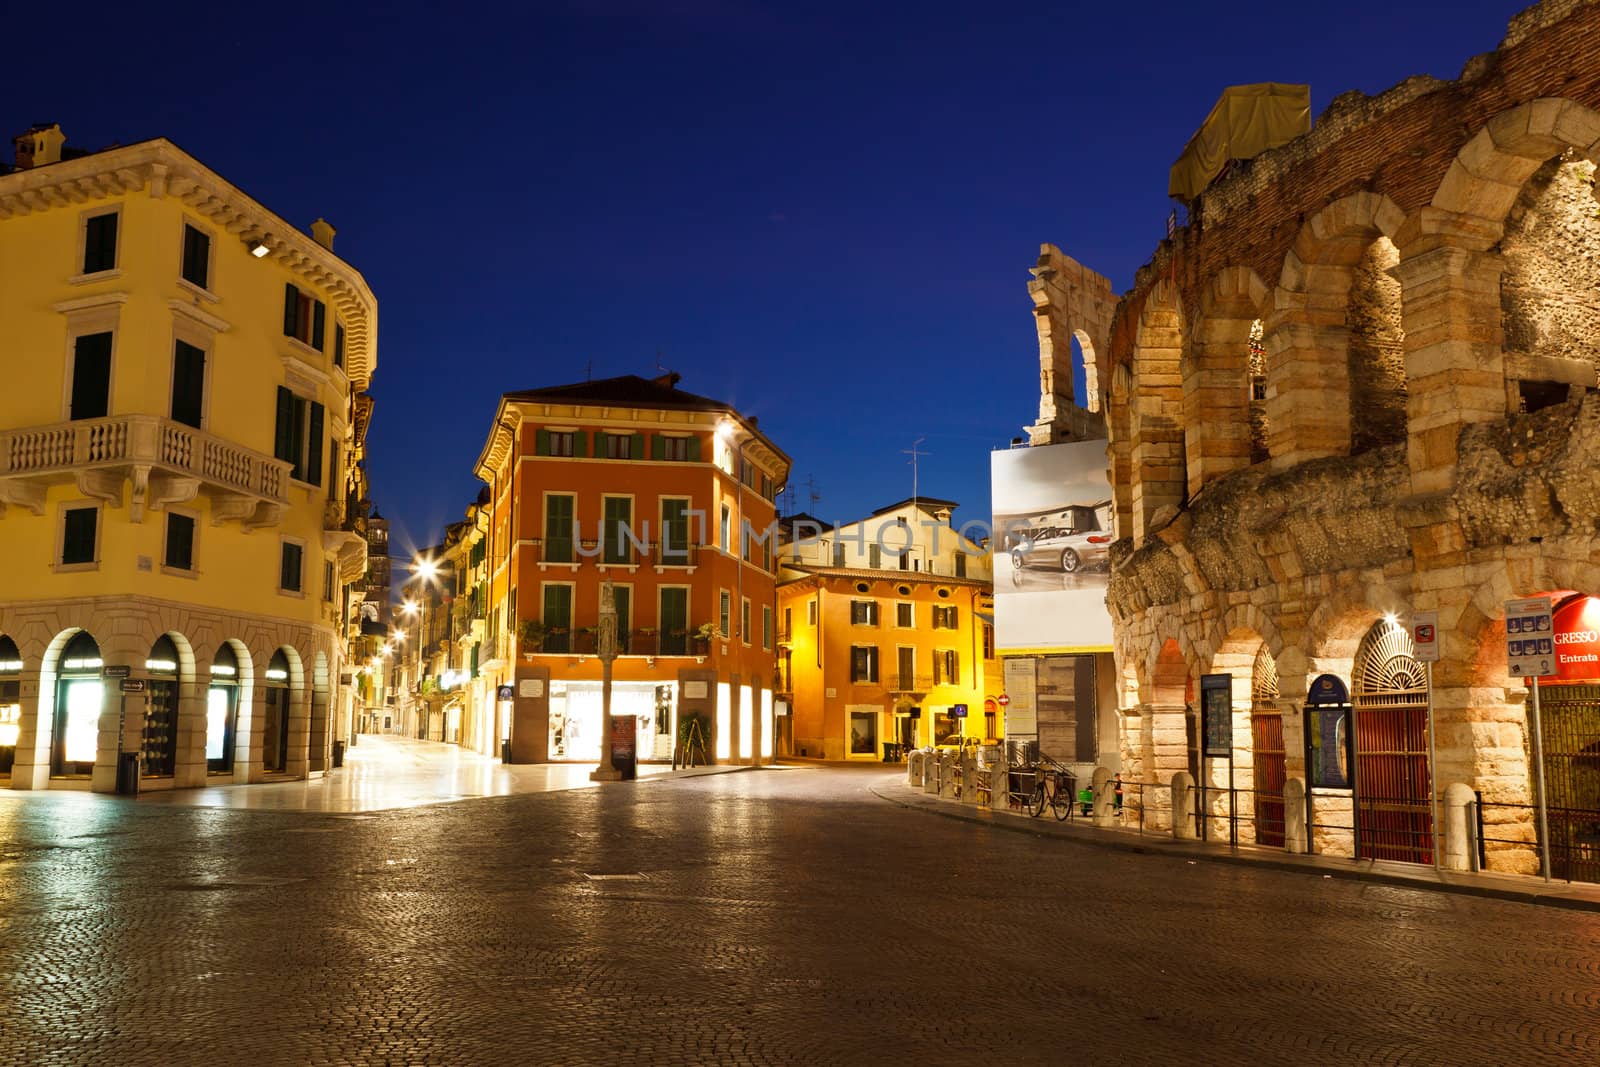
{"x": 774, "y": 916}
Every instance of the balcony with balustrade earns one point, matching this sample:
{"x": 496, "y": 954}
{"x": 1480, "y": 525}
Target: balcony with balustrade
{"x": 572, "y": 553}
{"x": 166, "y": 462}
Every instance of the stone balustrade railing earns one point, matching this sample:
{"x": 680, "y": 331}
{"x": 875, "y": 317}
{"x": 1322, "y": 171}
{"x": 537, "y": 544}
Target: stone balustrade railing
{"x": 143, "y": 440}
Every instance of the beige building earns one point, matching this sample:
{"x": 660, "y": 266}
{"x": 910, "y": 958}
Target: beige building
{"x": 1358, "y": 386}
{"x": 180, "y": 494}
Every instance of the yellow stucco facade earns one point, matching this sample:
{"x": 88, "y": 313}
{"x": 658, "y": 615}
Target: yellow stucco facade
{"x": 178, "y": 463}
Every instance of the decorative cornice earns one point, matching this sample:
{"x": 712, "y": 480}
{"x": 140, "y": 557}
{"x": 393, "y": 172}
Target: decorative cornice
{"x": 167, "y": 170}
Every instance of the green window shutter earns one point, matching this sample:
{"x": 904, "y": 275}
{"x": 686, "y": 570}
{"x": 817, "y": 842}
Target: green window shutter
{"x": 474, "y": 669}
{"x": 694, "y": 450}
{"x": 188, "y": 383}
{"x": 636, "y": 449}
{"x": 541, "y": 443}
{"x": 580, "y": 443}
{"x": 658, "y": 447}
{"x": 319, "y": 323}
{"x": 291, "y": 310}
{"x": 601, "y": 444}
{"x": 313, "y": 464}
{"x": 283, "y": 446}
{"x": 91, "y": 376}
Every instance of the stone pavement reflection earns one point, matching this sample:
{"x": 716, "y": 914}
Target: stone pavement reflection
{"x": 768, "y": 917}
{"x": 385, "y": 772}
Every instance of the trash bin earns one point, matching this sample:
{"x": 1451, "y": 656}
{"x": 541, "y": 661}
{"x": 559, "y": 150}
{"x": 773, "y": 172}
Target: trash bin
{"x": 338, "y": 753}
{"x": 128, "y": 773}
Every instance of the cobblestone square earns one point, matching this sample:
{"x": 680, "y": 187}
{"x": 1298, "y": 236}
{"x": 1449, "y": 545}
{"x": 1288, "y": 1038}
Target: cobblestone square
{"x": 776, "y": 916}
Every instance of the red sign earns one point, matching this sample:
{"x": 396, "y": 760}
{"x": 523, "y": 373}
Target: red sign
{"x": 1577, "y": 639}
{"x": 1005, "y": 701}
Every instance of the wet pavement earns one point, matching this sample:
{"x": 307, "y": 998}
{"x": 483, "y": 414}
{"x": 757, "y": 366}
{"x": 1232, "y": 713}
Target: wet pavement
{"x": 382, "y": 772}
{"x": 785, "y": 916}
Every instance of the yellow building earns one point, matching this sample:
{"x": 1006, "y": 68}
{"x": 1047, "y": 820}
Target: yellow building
{"x": 886, "y": 635}
{"x": 180, "y": 500}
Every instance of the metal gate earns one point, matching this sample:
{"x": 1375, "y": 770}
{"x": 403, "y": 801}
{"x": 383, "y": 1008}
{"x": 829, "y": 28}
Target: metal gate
{"x": 1267, "y": 755}
{"x": 1572, "y": 779}
{"x": 1393, "y": 813}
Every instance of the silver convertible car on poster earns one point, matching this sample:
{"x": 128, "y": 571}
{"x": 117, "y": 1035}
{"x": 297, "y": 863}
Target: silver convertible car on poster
{"x": 1071, "y": 539}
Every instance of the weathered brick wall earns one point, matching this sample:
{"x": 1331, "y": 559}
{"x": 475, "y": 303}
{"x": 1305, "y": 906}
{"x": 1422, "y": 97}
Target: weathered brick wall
{"x": 1398, "y": 143}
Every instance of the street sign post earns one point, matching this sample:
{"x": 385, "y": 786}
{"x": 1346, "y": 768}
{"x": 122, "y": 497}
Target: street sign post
{"x": 1530, "y": 653}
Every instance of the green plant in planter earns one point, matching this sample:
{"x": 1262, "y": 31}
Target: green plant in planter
{"x": 531, "y": 633}
{"x": 706, "y": 631}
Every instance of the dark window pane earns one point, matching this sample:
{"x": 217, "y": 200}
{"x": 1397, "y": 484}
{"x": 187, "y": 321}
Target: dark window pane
{"x": 196, "y": 257}
{"x": 291, "y": 310}
{"x": 289, "y": 578}
{"x": 100, "y": 243}
{"x": 314, "y": 435}
{"x": 77, "y": 540}
{"x": 338, "y": 344}
{"x": 284, "y": 445}
{"x": 180, "y": 542}
{"x": 188, "y": 383}
{"x": 91, "y": 376}
{"x": 319, "y": 321}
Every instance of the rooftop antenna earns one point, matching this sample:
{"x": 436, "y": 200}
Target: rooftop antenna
{"x": 659, "y": 368}
{"x": 814, "y": 493}
{"x": 915, "y": 453}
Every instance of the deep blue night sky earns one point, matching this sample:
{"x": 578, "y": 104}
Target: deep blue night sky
{"x": 823, "y": 215}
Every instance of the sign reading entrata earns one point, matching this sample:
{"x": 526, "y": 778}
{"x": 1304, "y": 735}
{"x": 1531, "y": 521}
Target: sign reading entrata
{"x": 1530, "y": 638}
{"x": 1216, "y": 709}
{"x": 1578, "y": 639}
{"x": 1425, "y": 636}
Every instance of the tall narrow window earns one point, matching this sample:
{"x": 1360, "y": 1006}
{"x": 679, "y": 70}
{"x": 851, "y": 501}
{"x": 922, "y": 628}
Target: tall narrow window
{"x": 338, "y": 344}
{"x": 78, "y": 528}
{"x": 766, "y": 627}
{"x": 838, "y": 553}
{"x": 875, "y": 556}
{"x": 188, "y": 383}
{"x": 725, "y": 613}
{"x": 91, "y": 376}
{"x": 864, "y": 663}
{"x": 744, "y": 620}
{"x": 304, "y": 317}
{"x": 558, "y": 528}
{"x": 557, "y": 618}
{"x": 616, "y": 524}
{"x": 299, "y": 436}
{"x": 725, "y": 530}
{"x": 196, "y": 257}
{"x": 674, "y": 531}
{"x": 179, "y": 554}
{"x": 100, "y": 242}
{"x": 291, "y": 564}
{"x": 674, "y": 621}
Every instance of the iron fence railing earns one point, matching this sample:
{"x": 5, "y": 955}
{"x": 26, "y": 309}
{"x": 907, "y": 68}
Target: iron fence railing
{"x": 1574, "y": 838}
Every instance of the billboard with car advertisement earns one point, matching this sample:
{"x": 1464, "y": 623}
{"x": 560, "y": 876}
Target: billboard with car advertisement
{"x": 1052, "y": 547}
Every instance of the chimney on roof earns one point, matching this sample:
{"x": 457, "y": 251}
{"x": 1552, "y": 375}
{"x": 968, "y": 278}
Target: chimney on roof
{"x": 323, "y": 233}
{"x": 39, "y": 146}
{"x": 669, "y": 379}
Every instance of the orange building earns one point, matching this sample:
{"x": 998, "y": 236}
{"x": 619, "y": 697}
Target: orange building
{"x": 670, "y": 497}
{"x": 886, "y": 635}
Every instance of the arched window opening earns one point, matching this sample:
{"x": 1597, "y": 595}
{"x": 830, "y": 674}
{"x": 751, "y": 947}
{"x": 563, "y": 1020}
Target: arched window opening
{"x": 1267, "y": 749}
{"x": 80, "y": 698}
{"x": 1551, "y": 252}
{"x": 222, "y": 711}
{"x": 158, "y": 753}
{"x": 1376, "y": 352}
{"x": 1257, "y": 371}
{"x": 1389, "y": 693}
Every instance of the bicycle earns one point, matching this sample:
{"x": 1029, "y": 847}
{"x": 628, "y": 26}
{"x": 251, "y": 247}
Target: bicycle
{"x": 1053, "y": 786}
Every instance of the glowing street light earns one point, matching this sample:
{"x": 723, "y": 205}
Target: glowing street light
{"x": 426, "y": 569}
{"x": 409, "y": 607}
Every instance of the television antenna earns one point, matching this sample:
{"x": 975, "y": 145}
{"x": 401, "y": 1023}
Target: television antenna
{"x": 916, "y": 453}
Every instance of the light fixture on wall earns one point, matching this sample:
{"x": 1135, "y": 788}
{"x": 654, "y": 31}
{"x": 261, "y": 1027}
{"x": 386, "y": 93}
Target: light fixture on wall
{"x": 258, "y": 248}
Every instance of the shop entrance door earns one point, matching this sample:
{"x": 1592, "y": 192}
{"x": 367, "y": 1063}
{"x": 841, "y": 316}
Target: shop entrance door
{"x": 1266, "y": 741}
{"x": 1394, "y": 818}
{"x": 1572, "y": 779}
